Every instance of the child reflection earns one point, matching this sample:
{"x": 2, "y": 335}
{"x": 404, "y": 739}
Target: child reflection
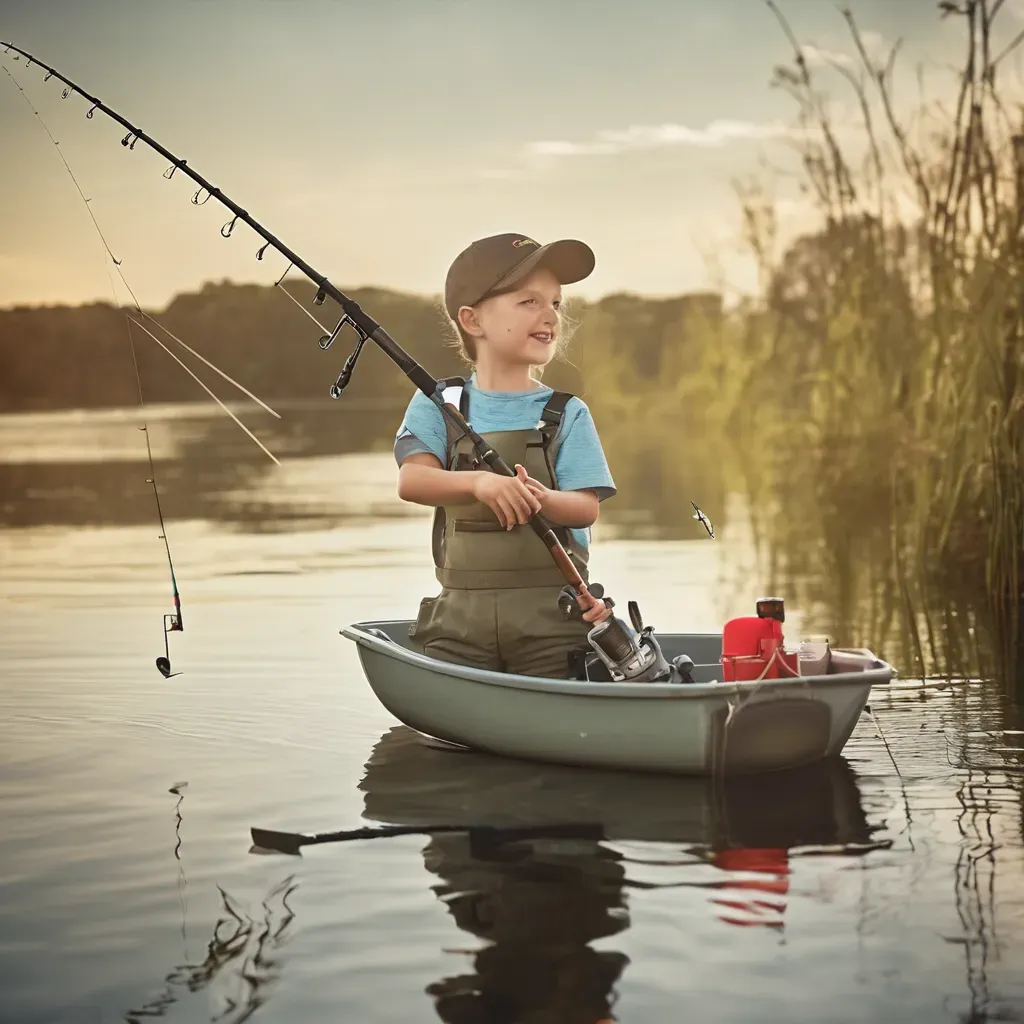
{"x": 539, "y": 905}
{"x": 542, "y": 906}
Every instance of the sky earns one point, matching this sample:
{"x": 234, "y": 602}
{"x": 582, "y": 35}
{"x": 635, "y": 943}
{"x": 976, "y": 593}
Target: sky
{"x": 377, "y": 138}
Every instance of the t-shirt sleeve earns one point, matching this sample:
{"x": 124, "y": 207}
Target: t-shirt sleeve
{"x": 421, "y": 430}
{"x": 581, "y": 463}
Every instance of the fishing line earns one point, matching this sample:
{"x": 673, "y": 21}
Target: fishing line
{"x": 881, "y": 736}
{"x": 208, "y": 391}
{"x": 903, "y": 786}
{"x": 296, "y": 301}
{"x": 138, "y": 305}
{"x": 172, "y": 622}
{"x": 202, "y": 358}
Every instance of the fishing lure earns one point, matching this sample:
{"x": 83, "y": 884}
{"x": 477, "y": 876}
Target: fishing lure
{"x": 704, "y": 520}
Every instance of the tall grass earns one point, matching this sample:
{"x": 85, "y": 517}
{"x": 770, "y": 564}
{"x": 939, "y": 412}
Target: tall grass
{"x": 888, "y": 382}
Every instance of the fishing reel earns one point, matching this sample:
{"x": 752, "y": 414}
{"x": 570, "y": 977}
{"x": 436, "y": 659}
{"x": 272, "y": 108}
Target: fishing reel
{"x": 630, "y": 655}
{"x": 624, "y": 654}
{"x": 327, "y": 340}
{"x": 172, "y": 624}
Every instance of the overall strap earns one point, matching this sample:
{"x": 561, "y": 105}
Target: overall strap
{"x": 453, "y": 392}
{"x": 456, "y": 393}
{"x": 550, "y": 426}
{"x": 551, "y": 417}
{"x": 451, "y": 389}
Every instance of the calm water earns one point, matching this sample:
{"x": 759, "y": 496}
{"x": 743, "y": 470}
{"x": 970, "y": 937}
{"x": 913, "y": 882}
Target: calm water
{"x": 124, "y": 901}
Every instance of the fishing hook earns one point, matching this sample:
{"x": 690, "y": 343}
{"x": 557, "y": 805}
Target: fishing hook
{"x": 124, "y": 141}
{"x": 91, "y": 109}
{"x": 199, "y": 191}
{"x": 263, "y": 249}
{"x": 230, "y": 225}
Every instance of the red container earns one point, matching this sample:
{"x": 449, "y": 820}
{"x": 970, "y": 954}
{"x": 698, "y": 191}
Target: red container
{"x": 743, "y": 636}
{"x": 748, "y": 643}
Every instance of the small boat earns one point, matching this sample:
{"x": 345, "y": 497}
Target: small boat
{"x": 707, "y": 727}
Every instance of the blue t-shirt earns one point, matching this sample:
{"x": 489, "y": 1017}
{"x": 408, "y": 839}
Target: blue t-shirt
{"x": 580, "y": 463}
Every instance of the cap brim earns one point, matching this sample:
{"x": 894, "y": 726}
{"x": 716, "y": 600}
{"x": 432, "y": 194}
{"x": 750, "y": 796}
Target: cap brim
{"x": 568, "y": 259}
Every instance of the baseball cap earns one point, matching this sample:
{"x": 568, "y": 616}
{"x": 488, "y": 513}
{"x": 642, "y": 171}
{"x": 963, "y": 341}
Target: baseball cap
{"x": 498, "y": 262}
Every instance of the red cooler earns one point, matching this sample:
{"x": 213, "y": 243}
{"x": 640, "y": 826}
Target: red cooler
{"x": 750, "y": 641}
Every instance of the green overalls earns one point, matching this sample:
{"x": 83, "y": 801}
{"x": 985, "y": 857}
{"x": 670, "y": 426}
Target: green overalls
{"x": 498, "y": 605}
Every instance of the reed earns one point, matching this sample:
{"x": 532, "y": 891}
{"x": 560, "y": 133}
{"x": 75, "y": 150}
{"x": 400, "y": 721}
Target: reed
{"x": 888, "y": 365}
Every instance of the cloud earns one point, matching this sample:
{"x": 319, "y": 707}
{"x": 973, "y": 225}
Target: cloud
{"x": 536, "y": 157}
{"x": 874, "y": 46}
{"x": 874, "y": 43}
{"x": 818, "y": 57}
{"x": 639, "y": 137}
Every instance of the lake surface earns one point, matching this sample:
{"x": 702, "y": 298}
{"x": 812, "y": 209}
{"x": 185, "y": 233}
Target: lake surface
{"x": 888, "y": 886}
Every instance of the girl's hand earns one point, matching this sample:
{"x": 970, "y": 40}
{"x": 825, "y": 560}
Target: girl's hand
{"x": 593, "y": 610}
{"x": 535, "y": 487}
{"x": 506, "y": 496}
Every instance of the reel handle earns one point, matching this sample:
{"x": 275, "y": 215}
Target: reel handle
{"x": 567, "y": 600}
{"x": 328, "y": 339}
{"x": 345, "y": 377}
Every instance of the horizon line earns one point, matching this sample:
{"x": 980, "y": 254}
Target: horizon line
{"x": 435, "y": 298}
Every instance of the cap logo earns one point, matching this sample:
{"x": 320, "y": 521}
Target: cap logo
{"x": 523, "y": 241}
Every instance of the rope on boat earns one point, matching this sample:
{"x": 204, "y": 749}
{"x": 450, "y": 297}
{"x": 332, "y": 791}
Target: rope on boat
{"x": 739, "y": 702}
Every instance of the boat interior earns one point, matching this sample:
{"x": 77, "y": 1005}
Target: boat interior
{"x": 704, "y": 648}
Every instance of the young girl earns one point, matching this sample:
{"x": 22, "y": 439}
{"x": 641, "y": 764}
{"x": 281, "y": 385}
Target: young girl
{"x": 498, "y": 605}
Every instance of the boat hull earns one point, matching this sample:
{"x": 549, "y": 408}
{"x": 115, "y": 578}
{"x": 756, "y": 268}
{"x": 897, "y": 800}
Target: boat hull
{"x": 707, "y": 728}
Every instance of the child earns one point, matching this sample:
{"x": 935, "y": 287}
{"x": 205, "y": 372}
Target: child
{"x": 498, "y": 605}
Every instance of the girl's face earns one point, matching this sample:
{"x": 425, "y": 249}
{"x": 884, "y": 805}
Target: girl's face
{"x": 520, "y": 327}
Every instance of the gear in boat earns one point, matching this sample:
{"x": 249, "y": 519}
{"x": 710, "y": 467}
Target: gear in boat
{"x": 753, "y": 648}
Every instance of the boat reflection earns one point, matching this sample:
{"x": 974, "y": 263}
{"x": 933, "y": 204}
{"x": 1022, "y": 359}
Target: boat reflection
{"x": 539, "y": 904}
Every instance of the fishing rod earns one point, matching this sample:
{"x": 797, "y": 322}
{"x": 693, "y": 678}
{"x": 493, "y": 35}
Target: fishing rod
{"x": 628, "y": 654}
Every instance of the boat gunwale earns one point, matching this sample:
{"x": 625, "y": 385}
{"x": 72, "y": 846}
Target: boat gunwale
{"x": 882, "y": 672}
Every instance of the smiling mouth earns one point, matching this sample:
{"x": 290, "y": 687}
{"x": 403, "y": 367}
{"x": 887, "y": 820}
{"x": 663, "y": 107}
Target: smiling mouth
{"x": 543, "y": 336}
